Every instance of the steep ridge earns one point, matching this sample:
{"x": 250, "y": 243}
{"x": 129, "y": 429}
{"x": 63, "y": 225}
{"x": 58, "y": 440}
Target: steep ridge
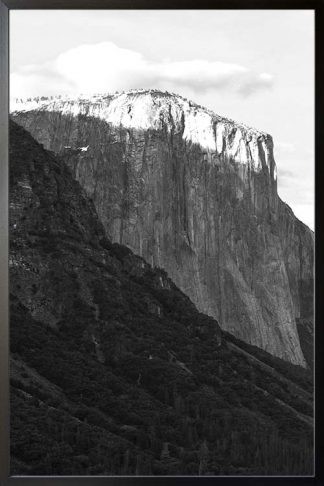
{"x": 113, "y": 369}
{"x": 195, "y": 194}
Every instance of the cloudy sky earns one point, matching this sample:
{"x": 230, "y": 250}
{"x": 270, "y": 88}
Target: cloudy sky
{"x": 256, "y": 67}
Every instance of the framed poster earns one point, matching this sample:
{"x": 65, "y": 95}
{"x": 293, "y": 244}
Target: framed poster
{"x": 159, "y": 218}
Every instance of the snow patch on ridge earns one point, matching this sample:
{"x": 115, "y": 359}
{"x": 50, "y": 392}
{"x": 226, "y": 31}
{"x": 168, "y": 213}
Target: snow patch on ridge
{"x": 152, "y": 109}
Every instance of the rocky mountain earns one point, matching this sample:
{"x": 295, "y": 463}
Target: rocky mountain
{"x": 113, "y": 369}
{"x": 195, "y": 194}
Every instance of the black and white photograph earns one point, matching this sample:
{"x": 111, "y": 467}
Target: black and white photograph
{"x": 161, "y": 242}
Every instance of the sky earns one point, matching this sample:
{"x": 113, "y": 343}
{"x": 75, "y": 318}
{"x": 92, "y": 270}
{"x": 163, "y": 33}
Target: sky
{"x": 253, "y": 66}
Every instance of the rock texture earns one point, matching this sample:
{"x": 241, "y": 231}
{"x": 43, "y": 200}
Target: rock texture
{"x": 195, "y": 194}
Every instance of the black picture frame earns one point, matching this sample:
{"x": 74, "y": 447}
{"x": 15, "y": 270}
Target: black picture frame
{"x": 5, "y": 7}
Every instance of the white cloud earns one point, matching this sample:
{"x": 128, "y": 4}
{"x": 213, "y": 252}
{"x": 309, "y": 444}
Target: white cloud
{"x": 105, "y": 67}
{"x": 285, "y": 147}
{"x": 299, "y": 193}
{"x": 305, "y": 212}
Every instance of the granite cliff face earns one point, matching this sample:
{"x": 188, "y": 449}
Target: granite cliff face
{"x": 195, "y": 194}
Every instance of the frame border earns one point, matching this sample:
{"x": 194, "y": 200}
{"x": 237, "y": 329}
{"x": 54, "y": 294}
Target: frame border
{"x": 5, "y": 7}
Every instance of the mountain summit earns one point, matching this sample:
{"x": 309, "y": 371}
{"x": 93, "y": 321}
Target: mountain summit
{"x": 195, "y": 194}
{"x": 155, "y": 110}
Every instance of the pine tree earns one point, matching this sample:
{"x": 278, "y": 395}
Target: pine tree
{"x": 165, "y": 454}
{"x": 203, "y": 458}
{"x": 125, "y": 465}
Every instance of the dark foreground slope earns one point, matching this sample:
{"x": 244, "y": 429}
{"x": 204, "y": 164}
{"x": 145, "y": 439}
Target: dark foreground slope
{"x": 113, "y": 369}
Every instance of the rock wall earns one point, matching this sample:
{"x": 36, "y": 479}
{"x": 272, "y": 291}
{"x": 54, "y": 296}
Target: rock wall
{"x": 195, "y": 194}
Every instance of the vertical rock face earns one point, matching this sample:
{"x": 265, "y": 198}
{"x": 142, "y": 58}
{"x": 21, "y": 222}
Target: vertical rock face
{"x": 193, "y": 193}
